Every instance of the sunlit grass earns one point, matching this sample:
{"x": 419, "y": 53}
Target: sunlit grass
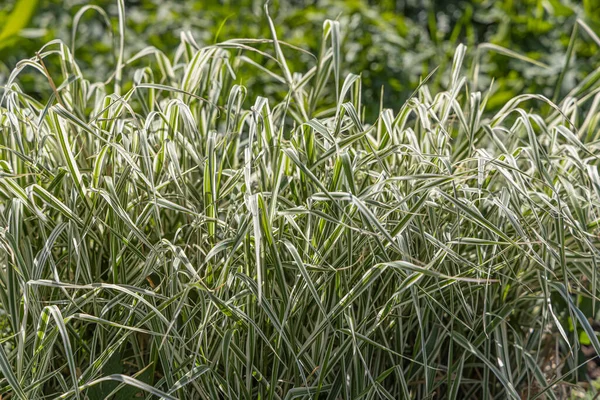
{"x": 168, "y": 233}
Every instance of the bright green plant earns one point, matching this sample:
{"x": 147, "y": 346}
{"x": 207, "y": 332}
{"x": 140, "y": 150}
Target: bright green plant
{"x": 16, "y": 21}
{"x": 168, "y": 232}
{"x": 391, "y": 43}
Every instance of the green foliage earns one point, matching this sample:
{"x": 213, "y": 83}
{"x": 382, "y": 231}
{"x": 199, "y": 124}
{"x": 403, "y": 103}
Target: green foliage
{"x": 391, "y": 44}
{"x": 238, "y": 218}
{"x": 16, "y": 21}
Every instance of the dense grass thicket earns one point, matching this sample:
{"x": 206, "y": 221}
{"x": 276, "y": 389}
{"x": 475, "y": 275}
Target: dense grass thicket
{"x": 166, "y": 233}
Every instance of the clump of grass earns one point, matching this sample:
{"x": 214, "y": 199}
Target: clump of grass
{"x": 167, "y": 233}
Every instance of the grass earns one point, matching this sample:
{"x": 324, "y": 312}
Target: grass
{"x": 166, "y": 233}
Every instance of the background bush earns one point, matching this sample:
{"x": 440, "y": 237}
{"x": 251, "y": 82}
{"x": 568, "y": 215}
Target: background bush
{"x": 392, "y": 44}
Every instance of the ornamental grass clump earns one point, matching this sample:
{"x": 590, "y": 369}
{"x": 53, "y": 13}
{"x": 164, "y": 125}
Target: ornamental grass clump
{"x": 170, "y": 234}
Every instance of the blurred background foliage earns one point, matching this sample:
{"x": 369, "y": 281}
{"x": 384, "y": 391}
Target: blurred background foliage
{"x": 392, "y": 43}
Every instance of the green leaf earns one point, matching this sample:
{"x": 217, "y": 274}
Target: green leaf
{"x": 17, "y": 20}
